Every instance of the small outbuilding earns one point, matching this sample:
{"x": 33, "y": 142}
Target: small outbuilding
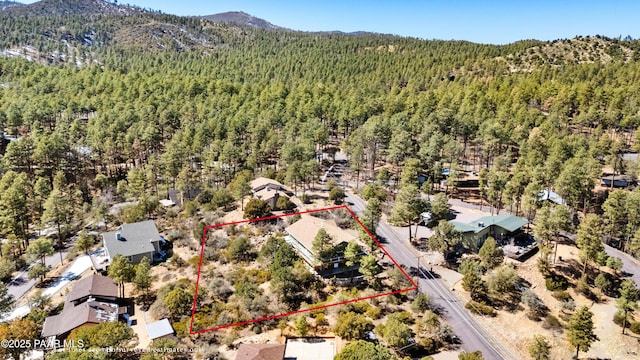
{"x": 159, "y": 329}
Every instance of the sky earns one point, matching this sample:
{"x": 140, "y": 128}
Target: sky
{"x": 488, "y": 21}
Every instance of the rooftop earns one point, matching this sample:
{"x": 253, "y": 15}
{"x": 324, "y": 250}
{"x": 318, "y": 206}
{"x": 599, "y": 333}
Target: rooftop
{"x": 549, "y": 195}
{"x": 305, "y": 230}
{"x": 260, "y": 352}
{"x": 262, "y": 183}
{"x": 71, "y": 317}
{"x": 508, "y": 222}
{"x": 267, "y": 193}
{"x": 135, "y": 238}
{"x": 94, "y": 285}
{"x": 311, "y": 349}
{"x": 159, "y": 329}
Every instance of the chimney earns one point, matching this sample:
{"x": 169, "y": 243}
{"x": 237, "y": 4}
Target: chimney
{"x": 118, "y": 236}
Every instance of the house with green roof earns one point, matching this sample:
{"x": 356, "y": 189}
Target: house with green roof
{"x": 500, "y": 227}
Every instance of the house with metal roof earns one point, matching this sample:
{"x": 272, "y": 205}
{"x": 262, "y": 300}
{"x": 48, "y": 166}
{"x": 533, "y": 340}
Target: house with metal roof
{"x": 551, "y": 196}
{"x": 134, "y": 241}
{"x": 500, "y": 227}
{"x": 159, "y": 329}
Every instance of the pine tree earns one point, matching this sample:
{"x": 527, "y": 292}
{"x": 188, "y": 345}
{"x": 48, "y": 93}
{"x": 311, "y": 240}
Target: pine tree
{"x": 589, "y": 239}
{"x": 540, "y": 348}
{"x": 627, "y": 302}
{"x": 580, "y": 330}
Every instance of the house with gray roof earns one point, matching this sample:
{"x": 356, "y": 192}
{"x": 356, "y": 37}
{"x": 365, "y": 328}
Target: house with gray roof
{"x": 134, "y": 241}
{"x": 500, "y": 227}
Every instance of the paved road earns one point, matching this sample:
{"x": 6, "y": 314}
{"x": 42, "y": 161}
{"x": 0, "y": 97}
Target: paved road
{"x": 472, "y": 336}
{"x": 21, "y": 284}
{"x": 629, "y": 265}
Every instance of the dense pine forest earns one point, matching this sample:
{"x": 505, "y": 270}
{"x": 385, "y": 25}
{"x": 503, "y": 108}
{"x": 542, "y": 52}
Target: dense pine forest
{"x": 256, "y": 99}
{"x": 125, "y": 104}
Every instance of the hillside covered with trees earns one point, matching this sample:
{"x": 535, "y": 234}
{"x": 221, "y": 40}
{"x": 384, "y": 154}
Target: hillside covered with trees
{"x": 106, "y": 106}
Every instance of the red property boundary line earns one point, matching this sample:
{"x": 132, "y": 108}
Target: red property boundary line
{"x": 414, "y": 286}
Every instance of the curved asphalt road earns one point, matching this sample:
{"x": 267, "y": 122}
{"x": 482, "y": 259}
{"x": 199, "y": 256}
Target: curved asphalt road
{"x": 21, "y": 284}
{"x": 629, "y": 265}
{"x": 473, "y": 337}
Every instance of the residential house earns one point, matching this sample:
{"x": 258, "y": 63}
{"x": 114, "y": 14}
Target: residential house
{"x": 269, "y": 190}
{"x": 300, "y": 236}
{"x": 92, "y": 300}
{"x": 550, "y": 196}
{"x": 177, "y": 197}
{"x": 501, "y": 227}
{"x": 619, "y": 181}
{"x": 134, "y": 241}
{"x": 260, "y": 352}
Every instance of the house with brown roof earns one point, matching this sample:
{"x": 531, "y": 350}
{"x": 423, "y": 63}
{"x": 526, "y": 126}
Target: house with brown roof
{"x": 301, "y": 234}
{"x": 260, "y": 352}
{"x": 92, "y": 300}
{"x": 98, "y": 287}
{"x": 269, "y": 190}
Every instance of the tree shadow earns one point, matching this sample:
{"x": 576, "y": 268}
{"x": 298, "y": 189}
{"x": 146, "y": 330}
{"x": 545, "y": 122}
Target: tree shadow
{"x": 570, "y": 268}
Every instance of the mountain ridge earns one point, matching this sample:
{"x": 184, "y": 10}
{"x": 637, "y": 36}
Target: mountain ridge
{"x": 68, "y": 7}
{"x": 241, "y": 18}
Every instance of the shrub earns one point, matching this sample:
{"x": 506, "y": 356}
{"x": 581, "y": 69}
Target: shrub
{"x": 556, "y": 282}
{"x": 429, "y": 346}
{"x": 194, "y": 261}
{"x": 352, "y": 326}
{"x": 635, "y": 327}
{"x": 420, "y": 303}
{"x": 283, "y": 203}
{"x": 256, "y": 208}
{"x": 562, "y": 295}
{"x": 402, "y": 316}
{"x": 204, "y": 197}
{"x": 480, "y": 308}
{"x": 306, "y": 199}
{"x": 374, "y": 312}
{"x": 337, "y": 195}
{"x": 191, "y": 208}
{"x": 568, "y": 305}
{"x": 583, "y": 286}
{"x": 603, "y": 283}
{"x": 534, "y": 303}
{"x": 618, "y": 318}
{"x": 552, "y": 322}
